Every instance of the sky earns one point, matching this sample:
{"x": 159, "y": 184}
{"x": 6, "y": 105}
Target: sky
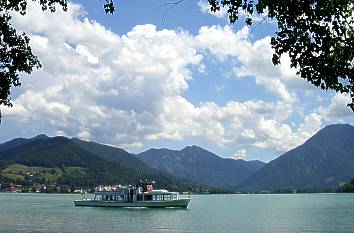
{"x": 146, "y": 77}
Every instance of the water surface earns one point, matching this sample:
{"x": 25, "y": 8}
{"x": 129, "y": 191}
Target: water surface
{"x": 330, "y": 213}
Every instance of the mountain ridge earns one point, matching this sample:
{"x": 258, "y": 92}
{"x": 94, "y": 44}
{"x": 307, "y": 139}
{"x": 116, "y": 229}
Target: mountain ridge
{"x": 61, "y": 152}
{"x": 325, "y": 160}
{"x": 200, "y": 165}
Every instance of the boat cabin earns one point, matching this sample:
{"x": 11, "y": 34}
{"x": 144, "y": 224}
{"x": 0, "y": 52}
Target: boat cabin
{"x": 143, "y": 191}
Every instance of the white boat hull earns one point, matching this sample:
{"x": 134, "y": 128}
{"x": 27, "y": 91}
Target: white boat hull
{"x": 181, "y": 203}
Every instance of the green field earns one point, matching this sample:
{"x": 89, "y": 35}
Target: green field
{"x": 22, "y": 172}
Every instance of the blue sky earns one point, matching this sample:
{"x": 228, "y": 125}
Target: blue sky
{"x": 141, "y": 78}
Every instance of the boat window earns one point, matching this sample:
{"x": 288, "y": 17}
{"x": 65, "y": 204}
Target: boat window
{"x": 140, "y": 197}
{"x": 148, "y": 197}
{"x": 119, "y": 198}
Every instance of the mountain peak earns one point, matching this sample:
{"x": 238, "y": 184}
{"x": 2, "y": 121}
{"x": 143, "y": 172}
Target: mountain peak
{"x": 40, "y": 136}
{"x": 332, "y": 134}
{"x": 324, "y": 160}
{"x": 337, "y": 127}
{"x": 200, "y": 165}
{"x": 193, "y": 147}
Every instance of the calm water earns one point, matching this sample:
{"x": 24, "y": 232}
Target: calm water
{"x": 211, "y": 213}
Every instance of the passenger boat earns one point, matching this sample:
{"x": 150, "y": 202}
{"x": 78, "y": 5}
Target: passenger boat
{"x": 142, "y": 195}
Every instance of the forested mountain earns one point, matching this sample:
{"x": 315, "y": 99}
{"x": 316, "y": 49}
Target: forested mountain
{"x": 113, "y": 154}
{"x": 62, "y": 152}
{"x": 16, "y": 142}
{"x": 201, "y": 166}
{"x": 324, "y": 160}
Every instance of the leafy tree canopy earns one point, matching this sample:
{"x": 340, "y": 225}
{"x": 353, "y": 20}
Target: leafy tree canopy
{"x": 16, "y": 55}
{"x": 318, "y": 36}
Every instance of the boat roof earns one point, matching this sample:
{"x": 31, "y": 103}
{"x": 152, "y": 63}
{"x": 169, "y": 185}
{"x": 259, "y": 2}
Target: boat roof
{"x": 122, "y": 191}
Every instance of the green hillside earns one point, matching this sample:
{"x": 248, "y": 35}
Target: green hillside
{"x": 62, "y": 153}
{"x": 326, "y": 160}
{"x": 61, "y": 162}
{"x": 201, "y": 166}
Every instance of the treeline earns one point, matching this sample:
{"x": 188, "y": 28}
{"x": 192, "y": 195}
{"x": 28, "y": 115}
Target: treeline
{"x": 347, "y": 188}
{"x": 70, "y": 178}
{"x": 63, "y": 153}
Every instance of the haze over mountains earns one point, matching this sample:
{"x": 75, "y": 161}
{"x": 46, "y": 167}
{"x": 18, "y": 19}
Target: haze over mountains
{"x": 324, "y": 160}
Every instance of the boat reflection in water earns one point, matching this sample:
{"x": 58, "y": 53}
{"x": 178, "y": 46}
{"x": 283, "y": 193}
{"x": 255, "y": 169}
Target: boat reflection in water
{"x": 142, "y": 195}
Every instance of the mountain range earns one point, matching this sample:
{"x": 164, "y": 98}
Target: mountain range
{"x": 108, "y": 164}
{"x": 201, "y": 166}
{"x": 51, "y": 152}
{"x": 324, "y": 160}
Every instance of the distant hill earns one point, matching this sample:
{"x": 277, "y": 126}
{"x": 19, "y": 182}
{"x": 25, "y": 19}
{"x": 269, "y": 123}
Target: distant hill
{"x": 112, "y": 154}
{"x": 201, "y": 166}
{"x": 16, "y": 142}
{"x": 63, "y": 152}
{"x": 324, "y": 160}
{"x": 118, "y": 155}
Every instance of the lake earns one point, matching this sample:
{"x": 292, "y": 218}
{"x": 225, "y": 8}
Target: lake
{"x": 207, "y": 213}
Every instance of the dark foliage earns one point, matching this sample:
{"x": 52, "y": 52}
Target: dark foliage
{"x": 346, "y": 188}
{"x": 77, "y": 178}
{"x": 15, "y": 56}
{"x": 109, "y": 7}
{"x": 15, "y": 53}
{"x": 3, "y": 165}
{"x": 5, "y": 180}
{"x": 318, "y": 36}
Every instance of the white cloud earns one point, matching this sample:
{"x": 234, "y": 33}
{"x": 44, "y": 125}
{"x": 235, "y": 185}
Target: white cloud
{"x": 255, "y": 60}
{"x": 337, "y": 111}
{"x": 205, "y": 8}
{"x": 82, "y": 50}
{"x": 84, "y": 134}
{"x": 99, "y": 85}
{"x": 240, "y": 154}
{"x": 282, "y": 137}
{"x": 127, "y": 90}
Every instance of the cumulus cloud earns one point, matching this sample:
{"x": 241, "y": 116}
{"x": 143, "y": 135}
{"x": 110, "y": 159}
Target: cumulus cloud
{"x": 337, "y": 111}
{"x": 253, "y": 59}
{"x": 240, "y": 154}
{"x": 127, "y": 90}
